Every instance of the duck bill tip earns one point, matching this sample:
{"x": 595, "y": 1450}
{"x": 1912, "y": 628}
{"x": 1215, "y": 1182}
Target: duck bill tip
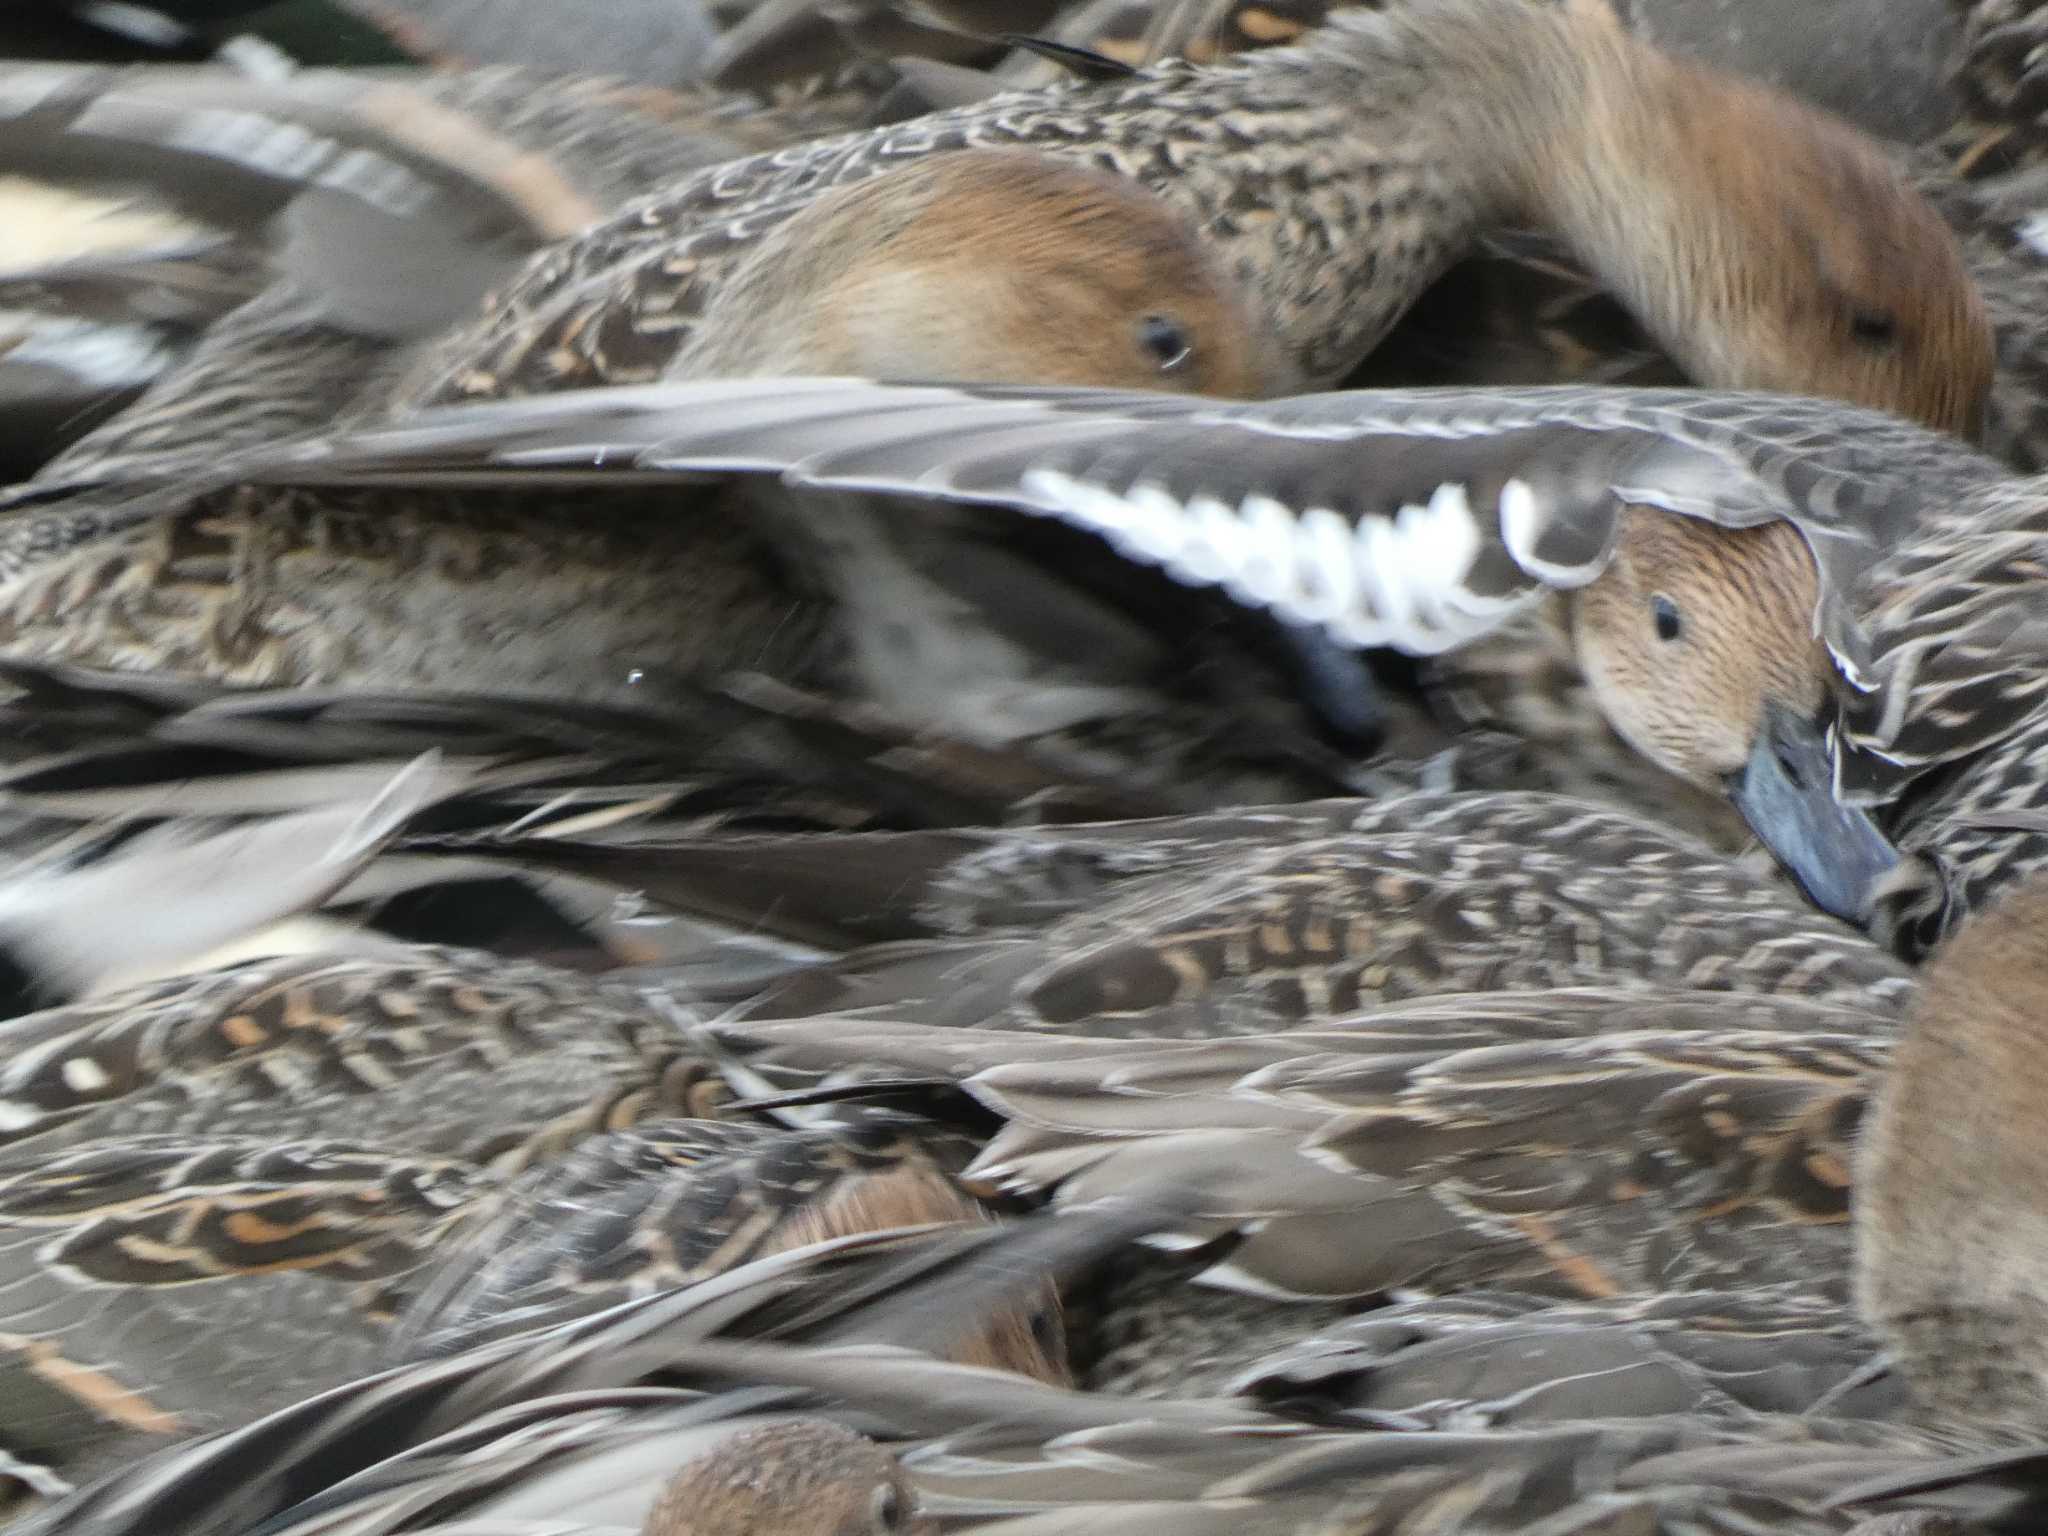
{"x": 1786, "y": 792}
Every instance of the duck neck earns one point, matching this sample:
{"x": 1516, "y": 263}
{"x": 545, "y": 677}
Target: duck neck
{"x": 1654, "y": 180}
{"x": 1345, "y": 176}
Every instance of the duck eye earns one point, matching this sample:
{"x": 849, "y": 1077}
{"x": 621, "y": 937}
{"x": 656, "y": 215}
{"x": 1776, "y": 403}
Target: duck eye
{"x": 1874, "y": 327}
{"x": 1665, "y": 613}
{"x": 1166, "y": 341}
{"x": 886, "y": 1508}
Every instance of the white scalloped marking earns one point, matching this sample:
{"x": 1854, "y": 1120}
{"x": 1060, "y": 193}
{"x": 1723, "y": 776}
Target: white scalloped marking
{"x": 1521, "y": 520}
{"x": 1380, "y": 580}
{"x": 1216, "y": 543}
{"x": 1326, "y": 575}
{"x": 1158, "y": 526}
{"x": 1266, "y": 574}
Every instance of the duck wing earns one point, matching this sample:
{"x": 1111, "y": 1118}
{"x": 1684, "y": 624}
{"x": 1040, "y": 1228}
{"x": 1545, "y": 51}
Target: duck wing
{"x": 1417, "y": 519}
{"x": 1585, "y": 1143}
{"x": 1423, "y": 894}
{"x": 170, "y": 895}
{"x": 1514, "y": 1360}
{"x": 400, "y": 212}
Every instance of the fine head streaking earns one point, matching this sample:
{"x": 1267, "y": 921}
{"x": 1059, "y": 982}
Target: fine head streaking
{"x": 984, "y": 266}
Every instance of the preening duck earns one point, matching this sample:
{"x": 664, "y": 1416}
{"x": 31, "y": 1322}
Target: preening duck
{"x": 1748, "y": 571}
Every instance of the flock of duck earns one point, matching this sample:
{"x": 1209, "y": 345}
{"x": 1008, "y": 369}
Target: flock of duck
{"x": 1243, "y": 768}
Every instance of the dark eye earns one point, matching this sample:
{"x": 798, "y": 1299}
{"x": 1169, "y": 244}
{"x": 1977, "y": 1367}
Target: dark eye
{"x": 1166, "y": 341}
{"x": 1874, "y": 327}
{"x": 887, "y": 1508}
{"x": 1665, "y": 613}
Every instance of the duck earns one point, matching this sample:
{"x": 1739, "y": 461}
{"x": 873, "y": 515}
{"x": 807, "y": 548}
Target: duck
{"x": 1243, "y": 943}
{"x": 986, "y": 1451}
{"x": 997, "y": 1450}
{"x": 990, "y": 703}
{"x": 220, "y": 1128}
{"x": 1583, "y": 1146}
{"x": 977, "y": 680}
{"x": 1159, "y": 312}
{"x": 1947, "y": 1268}
{"x": 1257, "y": 204}
{"x": 1820, "y": 610}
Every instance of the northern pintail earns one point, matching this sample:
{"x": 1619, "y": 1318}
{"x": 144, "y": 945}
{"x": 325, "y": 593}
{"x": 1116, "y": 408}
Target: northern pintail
{"x": 1812, "y": 606}
{"x": 284, "y": 619}
{"x": 894, "y": 275}
{"x": 994, "y": 1453}
{"x": 1338, "y": 178}
{"x": 1951, "y": 1266}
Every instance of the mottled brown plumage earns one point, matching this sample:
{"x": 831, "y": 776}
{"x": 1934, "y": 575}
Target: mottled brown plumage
{"x": 991, "y": 266}
{"x": 1339, "y": 178}
{"x": 262, "y": 1163}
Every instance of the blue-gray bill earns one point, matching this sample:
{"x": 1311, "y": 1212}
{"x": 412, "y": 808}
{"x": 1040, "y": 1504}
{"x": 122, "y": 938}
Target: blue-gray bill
{"x": 1786, "y": 792}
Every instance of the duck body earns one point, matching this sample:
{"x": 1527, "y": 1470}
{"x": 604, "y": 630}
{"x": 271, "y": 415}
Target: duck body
{"x": 1597, "y": 1142}
{"x": 1383, "y": 144}
{"x": 1120, "y": 997}
{"x": 261, "y": 589}
{"x": 256, "y": 1165}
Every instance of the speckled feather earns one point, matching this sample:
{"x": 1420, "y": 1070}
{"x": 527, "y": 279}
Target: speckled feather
{"x": 261, "y": 1161}
{"x": 1414, "y": 896}
{"x": 564, "y": 1387}
{"x": 1580, "y": 1142}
